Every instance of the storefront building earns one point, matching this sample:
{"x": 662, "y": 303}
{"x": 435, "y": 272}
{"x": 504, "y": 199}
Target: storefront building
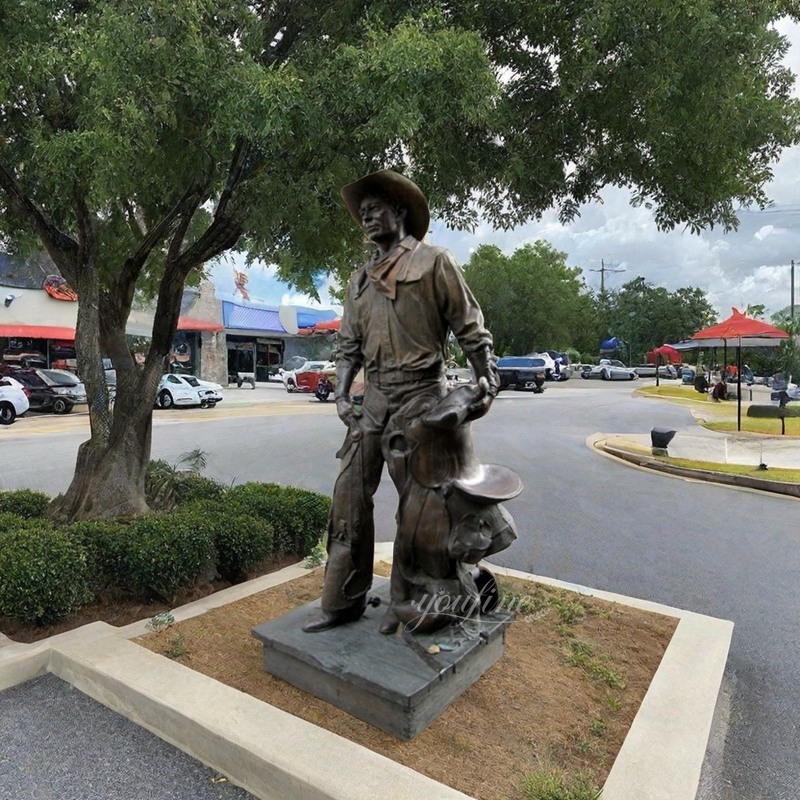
{"x": 215, "y": 340}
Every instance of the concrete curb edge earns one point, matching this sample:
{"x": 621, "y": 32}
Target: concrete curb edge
{"x": 598, "y": 441}
{"x": 662, "y": 755}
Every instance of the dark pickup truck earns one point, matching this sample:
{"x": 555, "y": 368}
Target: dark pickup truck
{"x": 522, "y": 372}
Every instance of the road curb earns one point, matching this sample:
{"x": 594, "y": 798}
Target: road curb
{"x": 599, "y": 441}
{"x": 232, "y": 732}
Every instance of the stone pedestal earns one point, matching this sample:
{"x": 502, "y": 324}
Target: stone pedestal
{"x": 398, "y": 683}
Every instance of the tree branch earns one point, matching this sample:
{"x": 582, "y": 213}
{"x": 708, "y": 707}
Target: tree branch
{"x": 184, "y": 208}
{"x": 61, "y": 247}
{"x": 221, "y": 235}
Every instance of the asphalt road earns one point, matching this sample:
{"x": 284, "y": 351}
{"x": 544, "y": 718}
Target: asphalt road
{"x": 581, "y": 518}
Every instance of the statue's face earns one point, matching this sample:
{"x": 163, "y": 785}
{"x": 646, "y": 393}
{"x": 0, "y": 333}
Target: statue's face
{"x": 380, "y": 220}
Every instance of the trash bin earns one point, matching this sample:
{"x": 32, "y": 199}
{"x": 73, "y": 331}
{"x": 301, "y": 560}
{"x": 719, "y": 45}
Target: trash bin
{"x": 660, "y": 439}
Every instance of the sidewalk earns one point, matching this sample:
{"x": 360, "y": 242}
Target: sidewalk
{"x": 700, "y": 444}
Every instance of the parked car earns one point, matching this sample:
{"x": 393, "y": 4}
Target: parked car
{"x": 649, "y": 371}
{"x": 790, "y": 391}
{"x": 13, "y": 400}
{"x": 522, "y": 372}
{"x": 609, "y": 369}
{"x": 306, "y": 377}
{"x": 187, "y": 390}
{"x": 64, "y": 378}
{"x": 57, "y": 393}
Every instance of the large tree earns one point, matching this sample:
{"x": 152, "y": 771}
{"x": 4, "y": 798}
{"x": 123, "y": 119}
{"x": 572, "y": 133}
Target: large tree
{"x": 141, "y": 138}
{"x": 646, "y": 316}
{"x": 531, "y": 299}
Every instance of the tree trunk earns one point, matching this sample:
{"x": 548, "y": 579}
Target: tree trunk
{"x": 109, "y": 483}
{"x": 109, "y": 479}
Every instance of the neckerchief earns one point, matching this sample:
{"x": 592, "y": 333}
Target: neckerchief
{"x": 383, "y": 273}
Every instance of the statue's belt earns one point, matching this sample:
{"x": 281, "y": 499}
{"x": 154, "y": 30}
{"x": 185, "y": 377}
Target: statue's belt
{"x": 379, "y": 377}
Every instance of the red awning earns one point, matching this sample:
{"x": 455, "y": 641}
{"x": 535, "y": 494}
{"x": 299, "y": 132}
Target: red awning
{"x": 326, "y": 326}
{"x": 37, "y": 332}
{"x": 194, "y": 324}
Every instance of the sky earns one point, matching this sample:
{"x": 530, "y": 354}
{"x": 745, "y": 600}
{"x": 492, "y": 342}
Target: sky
{"x": 748, "y": 267}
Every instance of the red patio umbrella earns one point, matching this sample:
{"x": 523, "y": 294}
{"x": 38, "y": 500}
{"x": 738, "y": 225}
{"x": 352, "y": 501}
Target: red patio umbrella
{"x": 748, "y": 332}
{"x": 740, "y": 325}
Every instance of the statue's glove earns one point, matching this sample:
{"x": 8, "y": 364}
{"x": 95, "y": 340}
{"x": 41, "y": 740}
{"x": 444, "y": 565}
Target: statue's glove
{"x": 345, "y": 408}
{"x": 348, "y": 414}
{"x": 487, "y": 377}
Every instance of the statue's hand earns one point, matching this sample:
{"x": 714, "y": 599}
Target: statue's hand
{"x": 348, "y": 414}
{"x": 483, "y": 399}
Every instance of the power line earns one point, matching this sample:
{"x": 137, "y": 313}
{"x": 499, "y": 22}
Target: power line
{"x": 603, "y": 269}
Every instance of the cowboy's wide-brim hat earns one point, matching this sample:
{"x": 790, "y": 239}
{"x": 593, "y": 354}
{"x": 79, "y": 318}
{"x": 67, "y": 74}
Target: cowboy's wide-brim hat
{"x": 394, "y": 186}
{"x": 443, "y": 452}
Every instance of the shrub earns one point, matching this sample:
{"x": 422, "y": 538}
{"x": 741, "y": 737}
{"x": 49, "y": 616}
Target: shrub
{"x": 43, "y": 575}
{"x": 103, "y": 543}
{"x": 191, "y": 487}
{"x": 298, "y": 517}
{"x": 170, "y": 485}
{"x": 162, "y": 553}
{"x": 773, "y": 412}
{"x": 242, "y": 541}
{"x": 242, "y": 544}
{"x": 24, "y": 503}
{"x": 14, "y": 522}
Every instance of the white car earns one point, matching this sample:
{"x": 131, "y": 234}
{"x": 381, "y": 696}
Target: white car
{"x": 609, "y": 369}
{"x": 13, "y": 400}
{"x": 186, "y": 390}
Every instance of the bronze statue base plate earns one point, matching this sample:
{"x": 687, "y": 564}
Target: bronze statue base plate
{"x": 398, "y": 683}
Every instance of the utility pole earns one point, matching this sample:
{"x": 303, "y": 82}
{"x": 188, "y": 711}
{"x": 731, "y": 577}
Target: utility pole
{"x": 603, "y": 269}
{"x": 792, "y": 305}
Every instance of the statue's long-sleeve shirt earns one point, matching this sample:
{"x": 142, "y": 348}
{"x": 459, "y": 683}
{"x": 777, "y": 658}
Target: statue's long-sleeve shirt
{"x": 400, "y": 310}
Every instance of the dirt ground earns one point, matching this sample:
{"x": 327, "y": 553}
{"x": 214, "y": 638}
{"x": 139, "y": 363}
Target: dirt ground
{"x": 563, "y": 695}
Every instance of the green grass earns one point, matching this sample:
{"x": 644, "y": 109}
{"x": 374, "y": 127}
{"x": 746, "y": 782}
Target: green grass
{"x": 553, "y": 784}
{"x": 681, "y": 392}
{"x": 771, "y": 474}
{"x": 724, "y": 413}
{"x": 771, "y": 427}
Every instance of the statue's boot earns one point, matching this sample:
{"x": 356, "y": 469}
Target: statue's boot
{"x": 390, "y": 623}
{"x": 332, "y": 619}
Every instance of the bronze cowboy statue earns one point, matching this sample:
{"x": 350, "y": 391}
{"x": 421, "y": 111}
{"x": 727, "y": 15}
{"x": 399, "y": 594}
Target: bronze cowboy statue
{"x": 400, "y": 309}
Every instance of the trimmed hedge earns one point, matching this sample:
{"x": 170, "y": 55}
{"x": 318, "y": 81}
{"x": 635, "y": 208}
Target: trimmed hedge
{"x": 242, "y": 541}
{"x": 773, "y": 412}
{"x": 191, "y": 487}
{"x": 162, "y": 553}
{"x": 103, "y": 542}
{"x": 24, "y": 503}
{"x": 14, "y": 522}
{"x": 43, "y": 575}
{"x": 47, "y": 571}
{"x": 299, "y": 517}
